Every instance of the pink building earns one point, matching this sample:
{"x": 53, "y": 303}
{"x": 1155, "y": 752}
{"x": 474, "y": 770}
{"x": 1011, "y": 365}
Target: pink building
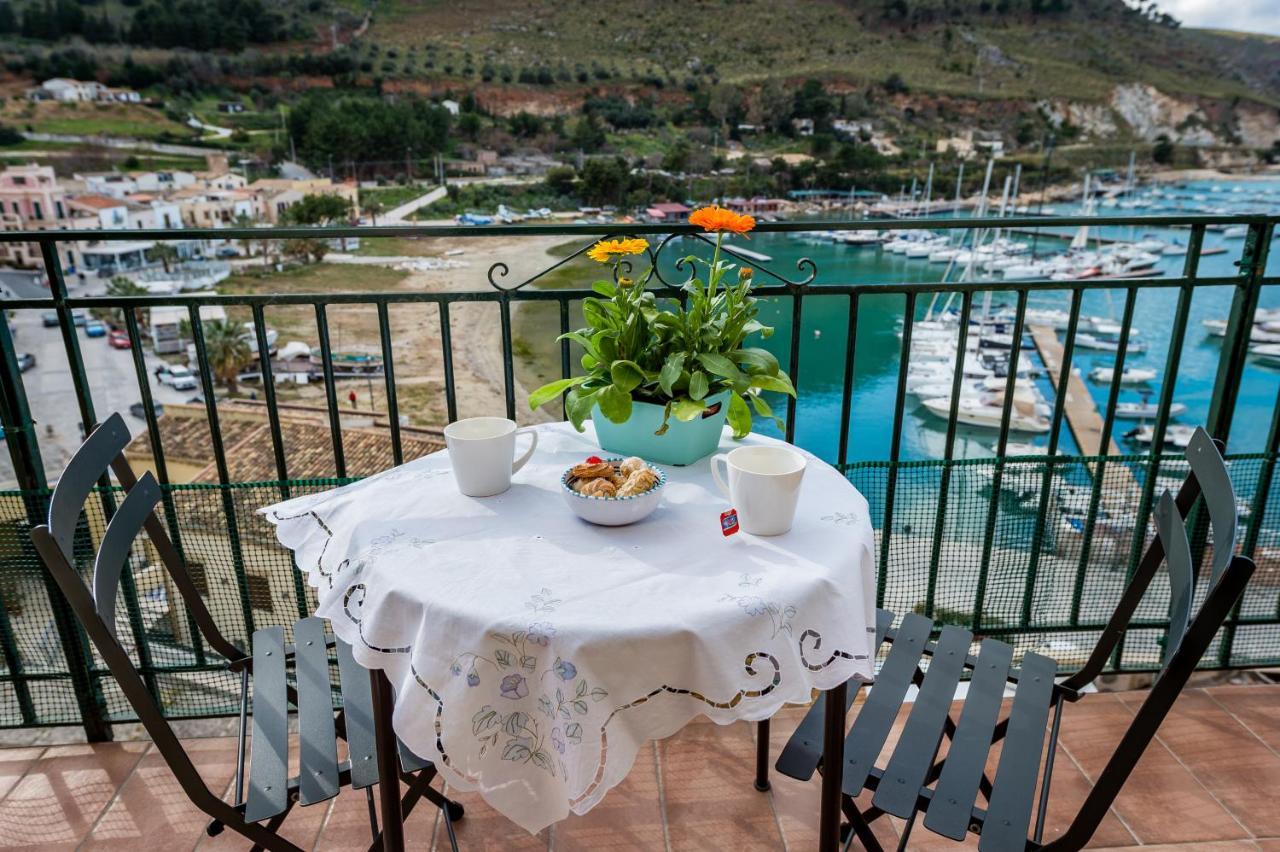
{"x": 30, "y": 200}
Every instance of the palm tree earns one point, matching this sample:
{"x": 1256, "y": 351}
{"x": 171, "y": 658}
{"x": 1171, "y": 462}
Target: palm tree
{"x": 122, "y": 286}
{"x": 373, "y": 207}
{"x": 244, "y": 220}
{"x": 227, "y": 350}
{"x": 164, "y": 253}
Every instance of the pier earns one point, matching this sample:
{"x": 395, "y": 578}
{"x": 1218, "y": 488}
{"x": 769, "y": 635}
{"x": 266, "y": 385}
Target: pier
{"x": 1084, "y": 420}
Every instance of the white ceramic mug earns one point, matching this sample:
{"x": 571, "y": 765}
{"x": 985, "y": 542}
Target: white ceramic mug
{"x": 763, "y": 483}
{"x": 482, "y": 452}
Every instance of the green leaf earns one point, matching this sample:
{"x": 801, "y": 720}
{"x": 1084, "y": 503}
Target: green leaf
{"x": 615, "y": 403}
{"x": 686, "y": 409}
{"x": 578, "y": 405}
{"x": 698, "y": 385}
{"x": 604, "y": 288}
{"x": 739, "y": 417}
{"x": 779, "y": 383}
{"x": 626, "y": 375}
{"x": 718, "y": 364}
{"x": 670, "y": 372}
{"x": 582, "y": 340}
{"x": 762, "y": 408}
{"x": 551, "y": 390}
{"x": 761, "y": 360}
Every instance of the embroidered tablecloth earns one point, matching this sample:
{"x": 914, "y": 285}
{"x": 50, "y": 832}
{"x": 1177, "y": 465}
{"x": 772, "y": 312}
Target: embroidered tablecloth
{"x": 533, "y": 654}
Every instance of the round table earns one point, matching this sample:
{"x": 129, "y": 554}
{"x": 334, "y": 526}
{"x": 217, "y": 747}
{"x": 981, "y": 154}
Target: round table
{"x": 533, "y": 654}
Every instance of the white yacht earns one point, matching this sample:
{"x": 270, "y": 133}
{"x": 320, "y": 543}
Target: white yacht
{"x": 1130, "y": 375}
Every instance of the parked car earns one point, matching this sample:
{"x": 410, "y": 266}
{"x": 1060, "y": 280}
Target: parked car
{"x": 49, "y": 319}
{"x": 176, "y": 376}
{"x": 95, "y": 328}
{"x": 139, "y": 411}
{"x": 25, "y": 361}
{"x": 227, "y": 251}
{"x": 79, "y": 317}
{"x": 118, "y": 339}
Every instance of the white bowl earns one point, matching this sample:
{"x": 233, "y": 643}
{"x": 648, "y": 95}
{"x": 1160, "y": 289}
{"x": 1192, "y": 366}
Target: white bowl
{"x": 614, "y": 511}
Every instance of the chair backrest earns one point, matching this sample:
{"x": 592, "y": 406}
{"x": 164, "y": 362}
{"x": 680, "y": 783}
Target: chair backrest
{"x": 1187, "y": 650}
{"x": 1207, "y": 477}
{"x": 103, "y": 450}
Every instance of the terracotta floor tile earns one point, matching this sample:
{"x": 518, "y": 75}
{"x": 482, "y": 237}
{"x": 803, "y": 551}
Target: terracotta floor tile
{"x": 485, "y": 830}
{"x": 1067, "y": 791}
{"x": 707, "y": 772}
{"x": 56, "y": 803}
{"x": 14, "y": 763}
{"x": 1215, "y": 846}
{"x": 1159, "y": 786}
{"x": 347, "y": 826}
{"x": 1256, "y": 709}
{"x": 152, "y": 803}
{"x": 1235, "y": 766}
{"x": 629, "y": 817}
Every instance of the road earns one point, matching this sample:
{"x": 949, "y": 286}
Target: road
{"x": 112, "y": 382}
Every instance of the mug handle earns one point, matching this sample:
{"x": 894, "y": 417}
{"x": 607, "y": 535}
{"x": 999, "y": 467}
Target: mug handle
{"x": 715, "y": 472}
{"x": 532, "y": 432}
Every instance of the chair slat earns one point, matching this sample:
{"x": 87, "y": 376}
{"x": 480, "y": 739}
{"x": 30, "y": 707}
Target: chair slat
{"x": 876, "y": 717}
{"x": 909, "y": 765}
{"x": 81, "y": 474}
{"x": 357, "y": 703}
{"x": 1177, "y": 555}
{"x": 1219, "y": 496}
{"x": 317, "y": 739}
{"x": 803, "y": 751}
{"x": 957, "y": 789}
{"x": 117, "y": 541}
{"x": 410, "y": 761}
{"x": 1014, "y": 788}
{"x": 269, "y": 767}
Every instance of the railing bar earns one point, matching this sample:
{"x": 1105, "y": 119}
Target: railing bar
{"x": 389, "y": 376}
{"x": 508, "y": 365}
{"x": 948, "y": 452}
{"x": 157, "y": 458}
{"x": 1002, "y": 442}
{"x": 846, "y": 394}
{"x": 277, "y": 443}
{"x": 1099, "y": 470}
{"x": 565, "y": 366}
{"x": 220, "y": 464}
{"x": 793, "y": 365}
{"x": 331, "y": 391}
{"x": 446, "y": 347}
{"x": 895, "y": 446}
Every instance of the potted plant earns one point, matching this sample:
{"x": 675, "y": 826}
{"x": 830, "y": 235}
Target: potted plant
{"x": 660, "y": 381}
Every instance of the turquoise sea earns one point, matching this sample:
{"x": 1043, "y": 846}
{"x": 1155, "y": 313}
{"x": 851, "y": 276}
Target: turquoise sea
{"x": 825, "y": 320}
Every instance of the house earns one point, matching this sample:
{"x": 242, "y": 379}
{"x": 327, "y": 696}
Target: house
{"x": 122, "y": 184}
{"x": 276, "y": 195}
{"x": 757, "y": 206}
{"x": 66, "y": 90}
{"x": 31, "y": 199}
{"x": 451, "y": 106}
{"x": 166, "y": 327}
{"x": 667, "y": 211}
{"x": 230, "y": 107}
{"x": 215, "y": 208}
{"x": 802, "y": 126}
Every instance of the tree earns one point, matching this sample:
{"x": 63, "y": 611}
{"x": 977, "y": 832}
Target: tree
{"x": 588, "y": 135}
{"x": 309, "y": 250}
{"x": 560, "y": 179}
{"x": 227, "y": 351}
{"x": 122, "y": 286}
{"x": 244, "y": 220}
{"x": 318, "y": 210}
{"x": 373, "y": 207}
{"x": 1162, "y": 151}
{"x": 163, "y": 252}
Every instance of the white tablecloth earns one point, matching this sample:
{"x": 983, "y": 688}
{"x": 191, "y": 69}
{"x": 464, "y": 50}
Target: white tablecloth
{"x": 533, "y": 654}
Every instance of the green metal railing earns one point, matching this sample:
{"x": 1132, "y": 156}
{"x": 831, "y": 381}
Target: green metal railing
{"x": 978, "y": 542}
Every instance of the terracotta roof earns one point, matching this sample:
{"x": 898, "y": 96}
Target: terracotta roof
{"x": 100, "y": 202}
{"x": 185, "y": 436}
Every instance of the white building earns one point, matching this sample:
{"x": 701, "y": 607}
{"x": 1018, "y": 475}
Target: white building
{"x": 66, "y": 90}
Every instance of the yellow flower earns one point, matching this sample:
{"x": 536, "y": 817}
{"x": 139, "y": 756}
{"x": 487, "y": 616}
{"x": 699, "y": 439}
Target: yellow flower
{"x": 606, "y": 250}
{"x": 625, "y": 282}
{"x": 714, "y": 219}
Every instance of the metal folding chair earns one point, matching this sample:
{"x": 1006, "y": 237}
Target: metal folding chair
{"x": 271, "y": 793}
{"x": 915, "y": 782}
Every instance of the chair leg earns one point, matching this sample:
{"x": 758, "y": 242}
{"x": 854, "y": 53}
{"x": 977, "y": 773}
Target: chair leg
{"x": 762, "y": 756}
{"x": 861, "y": 827}
{"x": 373, "y": 813}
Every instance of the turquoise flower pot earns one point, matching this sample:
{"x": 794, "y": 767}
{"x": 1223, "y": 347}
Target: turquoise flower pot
{"x": 683, "y": 442}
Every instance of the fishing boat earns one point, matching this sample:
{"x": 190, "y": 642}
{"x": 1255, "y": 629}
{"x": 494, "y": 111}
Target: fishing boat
{"x": 1146, "y": 410}
{"x": 1268, "y": 354}
{"x": 1174, "y": 436}
{"x": 1130, "y": 375}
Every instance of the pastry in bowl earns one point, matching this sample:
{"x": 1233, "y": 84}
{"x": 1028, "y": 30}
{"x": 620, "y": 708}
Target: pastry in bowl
{"x": 613, "y": 492}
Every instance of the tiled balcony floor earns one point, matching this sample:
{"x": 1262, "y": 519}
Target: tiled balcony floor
{"x": 1208, "y": 783}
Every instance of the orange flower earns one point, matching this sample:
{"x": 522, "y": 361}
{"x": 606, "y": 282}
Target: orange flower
{"x": 716, "y": 219}
{"x": 606, "y": 250}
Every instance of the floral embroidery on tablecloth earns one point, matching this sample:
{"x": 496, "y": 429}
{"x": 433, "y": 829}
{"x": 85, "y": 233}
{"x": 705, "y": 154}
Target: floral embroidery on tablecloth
{"x": 847, "y": 519}
{"x": 520, "y": 665}
{"x": 753, "y": 605}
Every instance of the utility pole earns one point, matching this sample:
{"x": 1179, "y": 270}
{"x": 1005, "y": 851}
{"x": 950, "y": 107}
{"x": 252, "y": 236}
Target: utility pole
{"x": 1044, "y": 186}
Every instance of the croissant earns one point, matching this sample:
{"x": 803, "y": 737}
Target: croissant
{"x": 631, "y": 465}
{"x": 598, "y": 488}
{"x": 638, "y": 482}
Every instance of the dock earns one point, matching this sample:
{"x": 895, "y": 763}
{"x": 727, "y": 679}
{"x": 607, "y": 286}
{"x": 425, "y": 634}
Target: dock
{"x": 1085, "y": 421}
